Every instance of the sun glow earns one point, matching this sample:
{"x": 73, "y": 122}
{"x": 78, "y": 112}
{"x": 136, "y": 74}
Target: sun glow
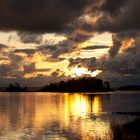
{"x": 30, "y": 75}
{"x": 77, "y": 72}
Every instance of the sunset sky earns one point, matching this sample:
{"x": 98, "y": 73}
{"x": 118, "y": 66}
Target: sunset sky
{"x": 50, "y": 40}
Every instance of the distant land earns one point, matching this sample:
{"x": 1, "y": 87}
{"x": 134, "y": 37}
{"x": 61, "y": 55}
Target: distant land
{"x": 85, "y": 84}
{"x": 130, "y": 87}
{"x": 29, "y": 89}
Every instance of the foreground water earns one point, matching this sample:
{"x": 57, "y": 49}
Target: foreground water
{"x": 59, "y": 116}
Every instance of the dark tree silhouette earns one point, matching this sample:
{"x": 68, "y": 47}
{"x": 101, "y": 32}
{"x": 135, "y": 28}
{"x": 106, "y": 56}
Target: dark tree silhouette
{"x": 16, "y": 88}
{"x": 85, "y": 84}
{"x": 107, "y": 85}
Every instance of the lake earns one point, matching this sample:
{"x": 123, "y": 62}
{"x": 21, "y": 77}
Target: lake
{"x": 70, "y": 116}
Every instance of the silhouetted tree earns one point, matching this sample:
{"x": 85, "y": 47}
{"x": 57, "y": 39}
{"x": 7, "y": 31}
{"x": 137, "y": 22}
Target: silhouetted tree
{"x": 16, "y": 88}
{"x": 107, "y": 85}
{"x": 77, "y": 85}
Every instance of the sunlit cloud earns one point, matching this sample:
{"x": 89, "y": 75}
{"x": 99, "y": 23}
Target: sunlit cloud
{"x": 77, "y": 72}
{"x": 128, "y": 43}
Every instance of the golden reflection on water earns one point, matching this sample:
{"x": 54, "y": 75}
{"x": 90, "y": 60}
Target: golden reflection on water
{"x": 97, "y": 105}
{"x": 78, "y": 104}
{"x": 73, "y": 114}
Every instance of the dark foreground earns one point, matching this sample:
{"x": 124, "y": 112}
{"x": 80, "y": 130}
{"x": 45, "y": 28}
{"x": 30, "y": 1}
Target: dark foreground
{"x": 59, "y": 116}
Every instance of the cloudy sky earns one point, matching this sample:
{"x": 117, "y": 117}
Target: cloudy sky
{"x": 50, "y": 40}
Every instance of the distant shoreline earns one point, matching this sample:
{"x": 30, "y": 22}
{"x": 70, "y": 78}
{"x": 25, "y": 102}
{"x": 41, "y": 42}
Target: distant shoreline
{"x": 81, "y": 85}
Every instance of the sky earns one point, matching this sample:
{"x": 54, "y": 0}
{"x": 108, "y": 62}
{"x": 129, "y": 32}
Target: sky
{"x": 46, "y": 41}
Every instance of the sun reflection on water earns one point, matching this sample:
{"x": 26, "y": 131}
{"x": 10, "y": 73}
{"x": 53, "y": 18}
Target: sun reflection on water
{"x": 97, "y": 105}
{"x": 55, "y": 115}
{"x": 78, "y": 105}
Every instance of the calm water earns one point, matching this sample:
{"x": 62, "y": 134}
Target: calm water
{"x": 57, "y": 116}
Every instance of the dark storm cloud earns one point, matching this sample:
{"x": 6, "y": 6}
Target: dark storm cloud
{"x": 116, "y": 46}
{"x": 30, "y": 68}
{"x": 122, "y": 64}
{"x": 26, "y": 51}
{"x": 121, "y": 67}
{"x": 54, "y": 60}
{"x": 28, "y": 37}
{"x": 112, "y": 6}
{"x": 96, "y": 47}
{"x": 66, "y": 46}
{"x": 60, "y": 51}
{"x": 15, "y": 59}
{"x": 11, "y": 69}
{"x": 54, "y": 51}
{"x": 49, "y": 48}
{"x": 126, "y": 17}
{"x": 118, "y": 38}
{"x": 82, "y": 62}
{"x": 80, "y": 37}
{"x": 113, "y": 16}
{"x": 42, "y": 15}
{"x": 5, "y": 70}
{"x": 58, "y": 15}
{"x": 89, "y": 27}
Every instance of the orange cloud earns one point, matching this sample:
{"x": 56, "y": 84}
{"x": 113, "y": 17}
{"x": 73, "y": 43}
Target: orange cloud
{"x": 128, "y": 43}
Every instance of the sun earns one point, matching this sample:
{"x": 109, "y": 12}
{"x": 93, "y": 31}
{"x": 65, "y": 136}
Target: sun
{"x": 77, "y": 72}
{"x": 95, "y": 73}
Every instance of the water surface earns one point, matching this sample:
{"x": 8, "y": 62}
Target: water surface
{"x": 65, "y": 116}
